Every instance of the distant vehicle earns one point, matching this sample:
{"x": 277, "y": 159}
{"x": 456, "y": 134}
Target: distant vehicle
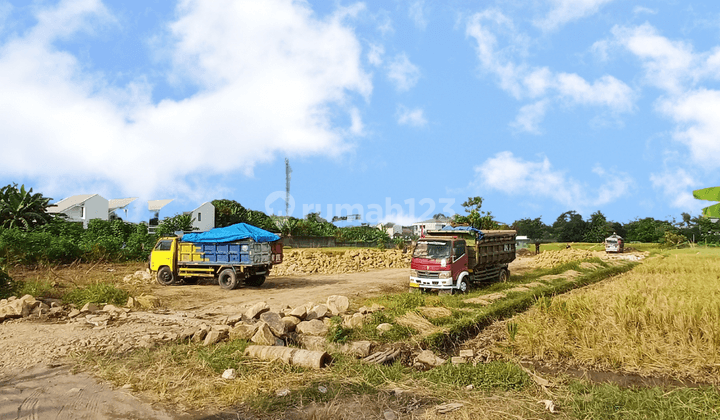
{"x": 233, "y": 255}
{"x": 614, "y": 243}
{"x": 453, "y": 258}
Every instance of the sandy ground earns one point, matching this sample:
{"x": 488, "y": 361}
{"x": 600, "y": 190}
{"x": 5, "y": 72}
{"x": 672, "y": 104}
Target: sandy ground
{"x": 35, "y": 382}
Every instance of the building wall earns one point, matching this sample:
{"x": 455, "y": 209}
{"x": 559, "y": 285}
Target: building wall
{"x": 96, "y": 207}
{"x": 204, "y": 217}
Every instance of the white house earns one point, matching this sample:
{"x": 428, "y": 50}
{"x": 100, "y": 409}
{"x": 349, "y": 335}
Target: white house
{"x": 419, "y": 228}
{"x": 392, "y": 229}
{"x": 204, "y": 217}
{"x": 81, "y": 208}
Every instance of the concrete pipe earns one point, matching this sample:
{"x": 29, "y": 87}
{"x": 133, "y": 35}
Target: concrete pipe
{"x": 290, "y": 356}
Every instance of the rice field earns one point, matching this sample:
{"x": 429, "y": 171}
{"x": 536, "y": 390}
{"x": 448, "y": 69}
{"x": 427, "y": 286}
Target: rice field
{"x": 660, "y": 319}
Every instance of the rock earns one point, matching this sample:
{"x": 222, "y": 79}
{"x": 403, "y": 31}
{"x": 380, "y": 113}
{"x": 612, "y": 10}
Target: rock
{"x": 428, "y": 358}
{"x": 213, "y": 337}
{"x": 112, "y": 308}
{"x": 229, "y": 374}
{"x": 148, "y": 301}
{"x": 290, "y": 322}
{"x": 356, "y": 320}
{"x": 224, "y": 329}
{"x": 317, "y": 312}
{"x": 200, "y": 334}
{"x": 376, "y": 308}
{"x": 14, "y": 309}
{"x": 384, "y": 327}
{"x": 457, "y": 360}
{"x": 233, "y": 319}
{"x": 97, "y": 320}
{"x": 299, "y": 312}
{"x": 364, "y": 310}
{"x": 187, "y": 334}
{"x": 74, "y": 313}
{"x": 257, "y": 309}
{"x": 263, "y": 336}
{"x": 468, "y": 354}
{"x": 357, "y": 348}
{"x": 337, "y": 304}
{"x": 312, "y": 342}
{"x": 131, "y": 303}
{"x": 243, "y": 331}
{"x": 274, "y": 321}
{"x": 389, "y": 415}
{"x": 89, "y": 307}
{"x": 312, "y": 327}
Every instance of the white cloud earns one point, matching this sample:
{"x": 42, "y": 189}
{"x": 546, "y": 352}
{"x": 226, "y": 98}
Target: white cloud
{"x": 516, "y": 176}
{"x": 696, "y": 114}
{"x": 375, "y": 55}
{"x": 564, "y": 11}
{"x": 677, "y": 186}
{"x": 412, "y": 117}
{"x": 403, "y": 73}
{"x": 530, "y": 116}
{"x": 674, "y": 67}
{"x": 640, "y": 9}
{"x": 270, "y": 77}
{"x": 417, "y": 13}
{"x": 540, "y": 84}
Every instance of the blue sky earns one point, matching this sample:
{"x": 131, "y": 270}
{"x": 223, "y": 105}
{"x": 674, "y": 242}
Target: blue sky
{"x": 396, "y": 109}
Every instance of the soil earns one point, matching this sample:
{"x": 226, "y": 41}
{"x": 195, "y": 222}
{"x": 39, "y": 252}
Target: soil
{"x": 37, "y": 384}
{"x": 34, "y": 373}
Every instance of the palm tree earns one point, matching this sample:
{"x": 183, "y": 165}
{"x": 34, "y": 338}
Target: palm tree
{"x": 20, "y": 208}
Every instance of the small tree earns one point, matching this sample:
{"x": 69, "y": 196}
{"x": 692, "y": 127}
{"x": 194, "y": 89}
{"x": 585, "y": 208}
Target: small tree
{"x": 476, "y": 218}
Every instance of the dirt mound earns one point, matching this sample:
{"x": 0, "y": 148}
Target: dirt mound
{"x": 328, "y": 262}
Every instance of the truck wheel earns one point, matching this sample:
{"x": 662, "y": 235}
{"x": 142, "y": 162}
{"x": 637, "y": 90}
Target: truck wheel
{"x": 227, "y": 279}
{"x": 165, "y": 276}
{"x": 504, "y": 275}
{"x": 255, "y": 281}
{"x": 462, "y": 287}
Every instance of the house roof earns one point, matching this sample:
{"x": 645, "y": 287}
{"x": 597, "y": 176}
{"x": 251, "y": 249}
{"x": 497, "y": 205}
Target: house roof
{"x": 156, "y": 205}
{"x": 119, "y": 203}
{"x": 68, "y": 203}
{"x": 431, "y": 221}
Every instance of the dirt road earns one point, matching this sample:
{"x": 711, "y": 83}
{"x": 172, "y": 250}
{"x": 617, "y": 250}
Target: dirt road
{"x": 35, "y": 384}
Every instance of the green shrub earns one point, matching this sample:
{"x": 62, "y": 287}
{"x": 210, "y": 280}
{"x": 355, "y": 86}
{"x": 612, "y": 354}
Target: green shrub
{"x": 503, "y": 376}
{"x": 7, "y": 286}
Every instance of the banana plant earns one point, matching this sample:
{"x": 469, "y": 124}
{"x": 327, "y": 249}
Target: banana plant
{"x": 709, "y": 194}
{"x": 20, "y": 208}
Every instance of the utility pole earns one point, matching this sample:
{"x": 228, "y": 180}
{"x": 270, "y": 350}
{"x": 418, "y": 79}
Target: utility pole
{"x": 288, "y": 171}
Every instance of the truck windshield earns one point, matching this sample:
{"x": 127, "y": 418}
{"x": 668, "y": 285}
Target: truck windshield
{"x": 432, "y": 250}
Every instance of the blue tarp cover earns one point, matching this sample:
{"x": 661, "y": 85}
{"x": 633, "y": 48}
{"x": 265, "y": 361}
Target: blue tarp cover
{"x": 232, "y": 233}
{"x": 465, "y": 228}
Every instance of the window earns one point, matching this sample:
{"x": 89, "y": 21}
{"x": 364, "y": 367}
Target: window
{"x": 199, "y": 217}
{"x": 82, "y": 212}
{"x": 459, "y": 250}
{"x": 164, "y": 246}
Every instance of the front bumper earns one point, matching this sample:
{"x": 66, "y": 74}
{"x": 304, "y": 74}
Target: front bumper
{"x": 441, "y": 284}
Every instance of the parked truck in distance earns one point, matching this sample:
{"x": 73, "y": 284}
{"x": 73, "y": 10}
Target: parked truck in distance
{"x": 454, "y": 258}
{"x": 614, "y": 243}
{"x": 232, "y": 255}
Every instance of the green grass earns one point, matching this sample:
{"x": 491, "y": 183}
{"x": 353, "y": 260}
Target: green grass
{"x": 610, "y": 402}
{"x": 493, "y": 376}
{"x": 96, "y": 293}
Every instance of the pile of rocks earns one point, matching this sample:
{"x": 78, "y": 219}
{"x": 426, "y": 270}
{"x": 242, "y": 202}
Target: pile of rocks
{"x": 326, "y": 262}
{"x": 260, "y": 325}
{"x": 14, "y": 307}
{"x": 139, "y": 277}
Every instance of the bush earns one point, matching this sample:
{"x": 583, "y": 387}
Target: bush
{"x": 7, "y": 287}
{"x": 97, "y": 293}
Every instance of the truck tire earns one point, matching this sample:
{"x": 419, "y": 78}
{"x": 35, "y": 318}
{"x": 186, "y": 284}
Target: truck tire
{"x": 255, "y": 281}
{"x": 504, "y": 275}
{"x": 165, "y": 276}
{"x": 227, "y": 279}
{"x": 462, "y": 287}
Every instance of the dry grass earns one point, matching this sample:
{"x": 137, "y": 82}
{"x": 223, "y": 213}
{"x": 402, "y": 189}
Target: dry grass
{"x": 663, "y": 318}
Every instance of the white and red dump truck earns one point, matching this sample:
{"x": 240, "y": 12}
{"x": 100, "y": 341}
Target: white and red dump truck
{"x": 454, "y": 258}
